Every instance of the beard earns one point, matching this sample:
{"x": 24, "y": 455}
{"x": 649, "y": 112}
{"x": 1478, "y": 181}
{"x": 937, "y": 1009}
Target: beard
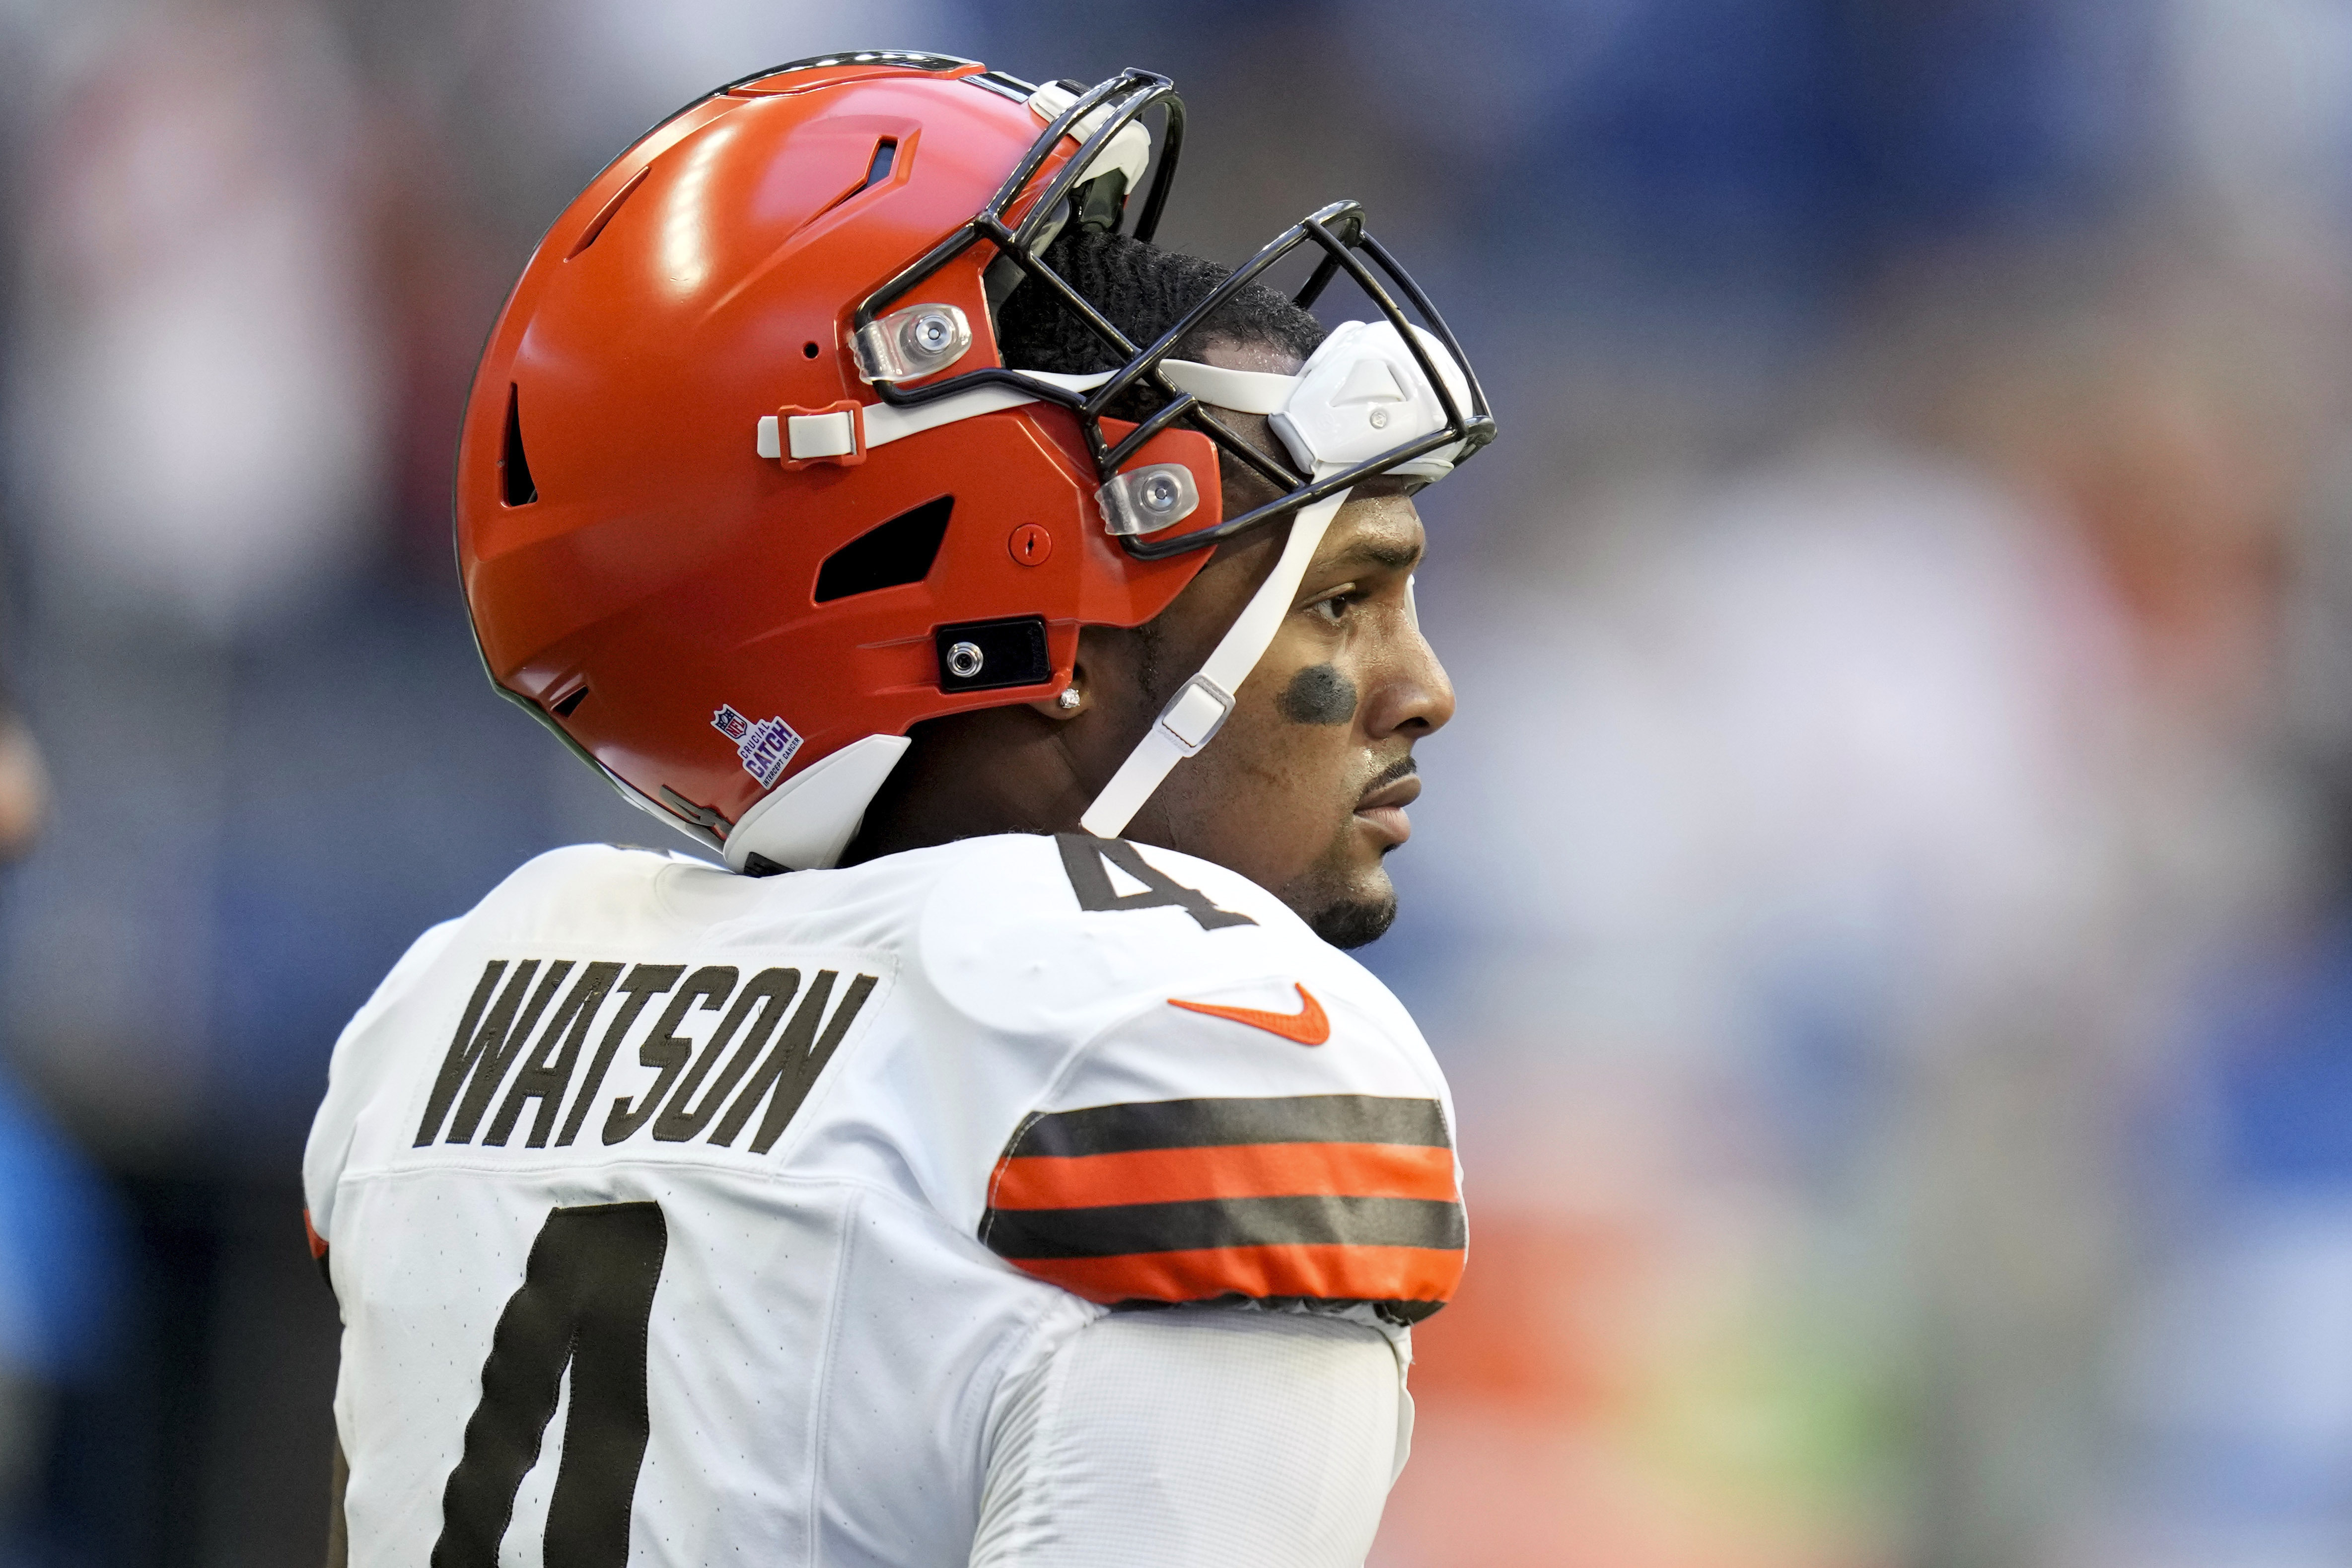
{"x": 1347, "y": 904}
{"x": 1354, "y": 922}
{"x": 1348, "y": 910}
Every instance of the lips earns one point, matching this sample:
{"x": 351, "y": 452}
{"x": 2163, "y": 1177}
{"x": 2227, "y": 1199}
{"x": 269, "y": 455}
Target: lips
{"x": 1383, "y": 808}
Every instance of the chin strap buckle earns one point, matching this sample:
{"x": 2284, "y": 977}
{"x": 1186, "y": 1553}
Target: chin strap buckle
{"x": 799, "y": 437}
{"x": 1195, "y": 714}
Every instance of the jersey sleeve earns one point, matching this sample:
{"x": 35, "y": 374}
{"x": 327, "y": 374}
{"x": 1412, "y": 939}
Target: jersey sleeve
{"x": 1158, "y": 1440}
{"x": 1224, "y": 1147}
{"x": 350, "y": 1078}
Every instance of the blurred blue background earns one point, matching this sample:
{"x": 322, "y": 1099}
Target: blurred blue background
{"x": 1883, "y": 902}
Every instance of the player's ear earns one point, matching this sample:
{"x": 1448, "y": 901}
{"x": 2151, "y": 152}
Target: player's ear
{"x": 1108, "y": 674}
{"x": 1068, "y": 702}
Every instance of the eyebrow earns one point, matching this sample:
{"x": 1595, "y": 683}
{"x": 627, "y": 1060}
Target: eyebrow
{"x": 1395, "y": 557}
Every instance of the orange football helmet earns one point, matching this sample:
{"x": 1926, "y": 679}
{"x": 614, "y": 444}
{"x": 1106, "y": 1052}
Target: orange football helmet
{"x": 745, "y": 490}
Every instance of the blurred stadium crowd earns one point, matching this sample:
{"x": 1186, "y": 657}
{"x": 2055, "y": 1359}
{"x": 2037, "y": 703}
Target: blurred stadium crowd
{"x": 1883, "y": 902}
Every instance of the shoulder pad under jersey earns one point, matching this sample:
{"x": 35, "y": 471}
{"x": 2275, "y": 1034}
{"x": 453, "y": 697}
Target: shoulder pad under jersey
{"x": 1218, "y": 1105}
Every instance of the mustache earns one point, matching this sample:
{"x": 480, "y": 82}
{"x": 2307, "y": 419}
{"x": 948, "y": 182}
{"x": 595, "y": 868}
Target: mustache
{"x": 1404, "y": 767}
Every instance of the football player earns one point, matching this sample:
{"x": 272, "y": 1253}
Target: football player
{"x": 994, "y": 1159}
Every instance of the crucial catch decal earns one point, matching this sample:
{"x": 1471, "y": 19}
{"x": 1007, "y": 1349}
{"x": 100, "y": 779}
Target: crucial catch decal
{"x": 778, "y": 1030}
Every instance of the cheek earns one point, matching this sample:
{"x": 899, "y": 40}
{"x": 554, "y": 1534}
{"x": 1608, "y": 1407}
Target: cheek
{"x": 1318, "y": 695}
{"x": 1267, "y": 794}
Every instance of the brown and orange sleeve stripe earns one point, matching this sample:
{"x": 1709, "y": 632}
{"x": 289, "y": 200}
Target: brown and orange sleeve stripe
{"x": 1326, "y": 1197}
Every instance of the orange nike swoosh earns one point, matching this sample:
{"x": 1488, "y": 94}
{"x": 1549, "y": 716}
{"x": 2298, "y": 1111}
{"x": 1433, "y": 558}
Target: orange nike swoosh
{"x": 1309, "y": 1025}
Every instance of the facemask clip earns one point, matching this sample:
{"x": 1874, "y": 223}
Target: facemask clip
{"x": 1148, "y": 500}
{"x": 919, "y": 341}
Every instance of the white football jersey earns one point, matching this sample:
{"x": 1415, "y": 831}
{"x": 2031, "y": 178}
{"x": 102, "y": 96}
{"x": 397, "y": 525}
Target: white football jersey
{"x": 678, "y": 1216}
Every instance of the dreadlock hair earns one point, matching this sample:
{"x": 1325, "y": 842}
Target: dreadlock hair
{"x": 1143, "y": 291}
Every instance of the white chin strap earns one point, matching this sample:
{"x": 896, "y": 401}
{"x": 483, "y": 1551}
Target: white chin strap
{"x": 1200, "y": 708}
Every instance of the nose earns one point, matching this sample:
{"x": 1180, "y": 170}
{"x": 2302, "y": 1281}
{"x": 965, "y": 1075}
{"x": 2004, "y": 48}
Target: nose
{"x": 1410, "y": 694}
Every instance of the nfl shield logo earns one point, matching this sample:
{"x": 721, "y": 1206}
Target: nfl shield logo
{"x": 730, "y": 723}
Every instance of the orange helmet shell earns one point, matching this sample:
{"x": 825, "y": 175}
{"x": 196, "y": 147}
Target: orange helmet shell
{"x": 634, "y": 566}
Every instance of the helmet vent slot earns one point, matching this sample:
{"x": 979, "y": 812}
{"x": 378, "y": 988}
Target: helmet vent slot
{"x": 605, "y": 214}
{"x": 564, "y": 707}
{"x": 514, "y": 469}
{"x": 888, "y": 556}
{"x": 877, "y": 169}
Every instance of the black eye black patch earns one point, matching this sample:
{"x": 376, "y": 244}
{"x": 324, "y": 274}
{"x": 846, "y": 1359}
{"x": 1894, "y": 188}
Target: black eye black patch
{"x": 1320, "y": 695}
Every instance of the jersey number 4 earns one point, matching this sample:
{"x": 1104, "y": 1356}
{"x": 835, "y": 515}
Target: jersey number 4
{"x": 1085, "y": 859}
{"x": 587, "y": 1301}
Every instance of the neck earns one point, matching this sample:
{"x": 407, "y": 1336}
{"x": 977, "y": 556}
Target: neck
{"x": 1001, "y": 770}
